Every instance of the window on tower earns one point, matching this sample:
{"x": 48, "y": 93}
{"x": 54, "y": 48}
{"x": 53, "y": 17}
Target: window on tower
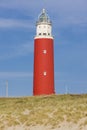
{"x": 44, "y": 51}
{"x": 39, "y": 33}
{"x": 44, "y": 33}
{"x": 44, "y": 73}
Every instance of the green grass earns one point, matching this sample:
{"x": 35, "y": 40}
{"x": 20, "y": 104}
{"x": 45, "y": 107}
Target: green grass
{"x": 47, "y": 110}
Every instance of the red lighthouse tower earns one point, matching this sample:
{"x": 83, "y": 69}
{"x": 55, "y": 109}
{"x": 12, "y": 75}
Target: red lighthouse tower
{"x": 43, "y": 82}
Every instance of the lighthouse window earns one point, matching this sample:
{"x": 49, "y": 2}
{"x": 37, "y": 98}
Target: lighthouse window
{"x": 48, "y": 33}
{"x": 45, "y": 73}
{"x": 44, "y": 33}
{"x": 44, "y": 51}
{"x": 39, "y": 33}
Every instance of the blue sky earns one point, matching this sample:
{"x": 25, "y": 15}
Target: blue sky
{"x": 17, "y": 31}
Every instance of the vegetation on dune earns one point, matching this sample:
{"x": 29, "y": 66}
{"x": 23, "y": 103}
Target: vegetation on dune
{"x": 47, "y": 110}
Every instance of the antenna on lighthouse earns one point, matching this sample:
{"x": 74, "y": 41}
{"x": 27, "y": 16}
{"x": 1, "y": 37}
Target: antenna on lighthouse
{"x": 43, "y": 11}
{"x": 7, "y": 88}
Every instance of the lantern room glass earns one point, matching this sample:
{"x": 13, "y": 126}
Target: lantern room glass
{"x": 43, "y": 18}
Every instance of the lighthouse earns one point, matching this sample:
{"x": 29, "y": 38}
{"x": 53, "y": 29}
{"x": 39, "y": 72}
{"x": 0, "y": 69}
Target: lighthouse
{"x": 43, "y": 76}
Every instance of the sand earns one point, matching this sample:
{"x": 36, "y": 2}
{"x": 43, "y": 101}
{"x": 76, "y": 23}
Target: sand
{"x": 62, "y": 126}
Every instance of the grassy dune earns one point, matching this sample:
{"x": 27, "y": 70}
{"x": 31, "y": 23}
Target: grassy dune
{"x": 46, "y": 110}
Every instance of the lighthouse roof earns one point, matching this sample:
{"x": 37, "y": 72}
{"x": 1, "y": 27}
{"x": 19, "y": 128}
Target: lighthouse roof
{"x": 43, "y": 18}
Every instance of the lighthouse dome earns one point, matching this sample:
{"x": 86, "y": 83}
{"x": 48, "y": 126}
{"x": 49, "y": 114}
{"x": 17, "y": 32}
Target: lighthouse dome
{"x": 43, "y": 18}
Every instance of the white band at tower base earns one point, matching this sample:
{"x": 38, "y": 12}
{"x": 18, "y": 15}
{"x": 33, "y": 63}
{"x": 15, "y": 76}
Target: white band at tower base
{"x": 40, "y": 37}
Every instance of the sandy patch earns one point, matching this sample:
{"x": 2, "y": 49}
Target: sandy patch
{"x": 63, "y": 126}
